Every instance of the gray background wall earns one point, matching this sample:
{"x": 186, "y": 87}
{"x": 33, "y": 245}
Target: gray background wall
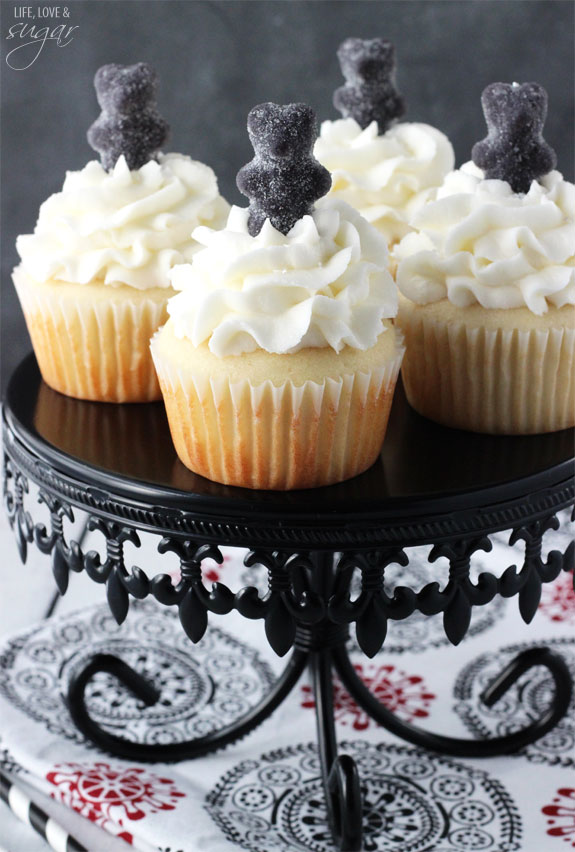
{"x": 217, "y": 59}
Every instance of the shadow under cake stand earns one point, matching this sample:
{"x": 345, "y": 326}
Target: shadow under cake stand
{"x": 431, "y": 485}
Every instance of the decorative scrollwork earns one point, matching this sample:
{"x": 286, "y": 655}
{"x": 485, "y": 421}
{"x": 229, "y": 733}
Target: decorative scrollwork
{"x": 289, "y": 600}
{"x": 120, "y": 583}
{"x": 64, "y": 557}
{"x": 373, "y": 607}
{"x": 293, "y": 601}
{"x": 190, "y": 595}
{"x": 459, "y": 596}
{"x": 15, "y": 486}
{"x": 534, "y": 571}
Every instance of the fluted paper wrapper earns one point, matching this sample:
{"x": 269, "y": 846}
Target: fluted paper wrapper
{"x": 94, "y": 350}
{"x": 499, "y": 381}
{"x": 278, "y": 438}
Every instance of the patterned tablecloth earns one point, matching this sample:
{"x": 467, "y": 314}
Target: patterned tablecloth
{"x": 264, "y": 792}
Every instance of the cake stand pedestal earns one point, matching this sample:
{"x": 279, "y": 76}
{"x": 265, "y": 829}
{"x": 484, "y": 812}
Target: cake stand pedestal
{"x": 431, "y": 485}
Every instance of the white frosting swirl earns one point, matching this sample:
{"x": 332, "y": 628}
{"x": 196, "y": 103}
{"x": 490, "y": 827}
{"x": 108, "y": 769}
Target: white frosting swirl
{"x": 324, "y": 284}
{"x": 388, "y": 177}
{"x": 480, "y": 242}
{"x": 122, "y": 226}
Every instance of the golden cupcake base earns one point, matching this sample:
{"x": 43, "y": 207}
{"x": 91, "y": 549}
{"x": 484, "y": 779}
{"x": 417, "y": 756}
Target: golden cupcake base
{"x": 91, "y": 341}
{"x": 507, "y": 372}
{"x": 298, "y": 421}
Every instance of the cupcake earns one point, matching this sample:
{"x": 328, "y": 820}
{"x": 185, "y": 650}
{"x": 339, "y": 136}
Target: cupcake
{"x": 93, "y": 280}
{"x": 488, "y": 282}
{"x": 385, "y": 170}
{"x": 279, "y": 360}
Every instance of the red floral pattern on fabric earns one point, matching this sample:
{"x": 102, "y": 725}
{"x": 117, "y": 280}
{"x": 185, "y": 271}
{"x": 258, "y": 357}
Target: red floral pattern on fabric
{"x": 211, "y": 571}
{"x": 558, "y": 599}
{"x": 109, "y": 796}
{"x": 211, "y": 575}
{"x": 562, "y": 813}
{"x": 402, "y": 693}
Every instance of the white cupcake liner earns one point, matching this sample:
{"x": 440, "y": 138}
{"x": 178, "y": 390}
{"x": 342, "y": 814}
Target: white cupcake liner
{"x": 277, "y": 437}
{"x": 93, "y": 349}
{"x": 503, "y": 381}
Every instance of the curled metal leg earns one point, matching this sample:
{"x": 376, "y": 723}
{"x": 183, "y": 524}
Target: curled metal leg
{"x": 340, "y": 776}
{"x": 147, "y": 692}
{"x": 465, "y": 747}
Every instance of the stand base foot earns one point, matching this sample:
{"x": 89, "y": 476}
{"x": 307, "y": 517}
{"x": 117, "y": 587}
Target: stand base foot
{"x": 468, "y": 747}
{"x": 345, "y": 804}
{"x": 340, "y": 776}
{"x": 147, "y": 692}
{"x": 341, "y": 780}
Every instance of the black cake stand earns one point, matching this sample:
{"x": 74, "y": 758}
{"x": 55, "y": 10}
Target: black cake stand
{"x": 431, "y": 485}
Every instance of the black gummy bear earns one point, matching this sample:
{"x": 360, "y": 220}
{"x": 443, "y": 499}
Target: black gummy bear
{"x": 284, "y": 179}
{"x": 130, "y": 123}
{"x": 369, "y": 94}
{"x": 514, "y": 149}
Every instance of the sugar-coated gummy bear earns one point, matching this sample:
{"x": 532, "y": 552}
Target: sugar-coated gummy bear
{"x": 284, "y": 179}
{"x": 369, "y": 94}
{"x": 514, "y": 149}
{"x": 130, "y": 123}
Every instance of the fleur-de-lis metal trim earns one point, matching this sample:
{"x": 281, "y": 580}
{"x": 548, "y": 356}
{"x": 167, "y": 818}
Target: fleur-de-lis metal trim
{"x": 373, "y": 607}
{"x": 64, "y": 556}
{"x": 289, "y": 600}
{"x": 192, "y": 598}
{"x": 534, "y": 571}
{"x": 120, "y": 583}
{"x": 15, "y": 486}
{"x": 459, "y": 596}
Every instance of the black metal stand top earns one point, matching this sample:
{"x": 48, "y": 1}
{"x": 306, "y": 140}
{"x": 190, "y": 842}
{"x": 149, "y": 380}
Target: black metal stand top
{"x": 430, "y": 483}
